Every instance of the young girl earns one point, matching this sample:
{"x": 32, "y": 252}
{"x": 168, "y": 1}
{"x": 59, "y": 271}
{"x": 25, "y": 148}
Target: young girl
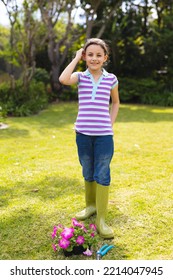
{"x": 94, "y": 127}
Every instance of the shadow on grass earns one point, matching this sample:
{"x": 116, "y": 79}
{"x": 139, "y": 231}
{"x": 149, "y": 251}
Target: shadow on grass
{"x": 56, "y": 116}
{"x": 14, "y": 132}
{"x": 49, "y": 189}
{"x": 26, "y": 235}
{"x": 141, "y": 113}
{"x": 34, "y": 210}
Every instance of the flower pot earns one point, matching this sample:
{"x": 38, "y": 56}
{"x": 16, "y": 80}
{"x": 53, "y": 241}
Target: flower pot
{"x": 77, "y": 250}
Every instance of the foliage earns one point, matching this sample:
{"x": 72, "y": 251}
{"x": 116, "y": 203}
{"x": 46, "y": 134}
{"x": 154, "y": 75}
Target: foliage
{"x": 67, "y": 238}
{"x": 4, "y": 35}
{"x": 139, "y": 42}
{"x": 4, "y": 45}
{"x": 41, "y": 75}
{"x": 145, "y": 91}
{"x": 18, "y": 102}
{"x": 68, "y": 93}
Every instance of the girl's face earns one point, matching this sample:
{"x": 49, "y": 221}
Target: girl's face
{"x": 95, "y": 57}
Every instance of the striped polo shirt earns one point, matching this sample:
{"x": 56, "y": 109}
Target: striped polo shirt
{"x": 94, "y": 97}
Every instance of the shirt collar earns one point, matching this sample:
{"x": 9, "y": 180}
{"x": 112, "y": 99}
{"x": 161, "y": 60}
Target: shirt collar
{"x": 105, "y": 73}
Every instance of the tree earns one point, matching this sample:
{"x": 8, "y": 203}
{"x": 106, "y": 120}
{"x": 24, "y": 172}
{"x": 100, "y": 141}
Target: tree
{"x": 162, "y": 6}
{"x": 98, "y": 14}
{"x": 52, "y": 12}
{"x": 28, "y": 41}
{"x": 140, "y": 43}
{"x": 12, "y": 11}
{"x": 23, "y": 32}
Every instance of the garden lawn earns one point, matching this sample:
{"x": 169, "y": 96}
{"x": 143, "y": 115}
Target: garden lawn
{"x": 41, "y": 183}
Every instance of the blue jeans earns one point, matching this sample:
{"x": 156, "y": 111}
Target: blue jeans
{"x": 95, "y": 154}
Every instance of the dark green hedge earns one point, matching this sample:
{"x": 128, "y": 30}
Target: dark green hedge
{"x": 145, "y": 91}
{"x": 18, "y": 102}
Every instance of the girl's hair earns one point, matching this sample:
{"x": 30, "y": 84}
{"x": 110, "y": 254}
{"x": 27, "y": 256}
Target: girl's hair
{"x": 99, "y": 42}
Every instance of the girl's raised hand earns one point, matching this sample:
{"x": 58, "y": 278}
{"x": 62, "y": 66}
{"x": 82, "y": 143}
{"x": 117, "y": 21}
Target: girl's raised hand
{"x": 67, "y": 77}
{"x": 79, "y": 53}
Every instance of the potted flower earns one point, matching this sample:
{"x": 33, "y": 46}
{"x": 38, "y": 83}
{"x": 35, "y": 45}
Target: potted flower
{"x": 76, "y": 239}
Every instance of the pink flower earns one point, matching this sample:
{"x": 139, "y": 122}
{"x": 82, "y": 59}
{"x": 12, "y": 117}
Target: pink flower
{"x": 54, "y": 232}
{"x": 53, "y": 235}
{"x": 68, "y": 237}
{"x": 93, "y": 227}
{"x": 84, "y": 229}
{"x": 59, "y": 226}
{"x": 80, "y": 240}
{"x": 54, "y": 247}
{"x": 55, "y": 228}
{"x": 87, "y": 252}
{"x": 76, "y": 223}
{"x": 67, "y": 233}
{"x": 64, "y": 243}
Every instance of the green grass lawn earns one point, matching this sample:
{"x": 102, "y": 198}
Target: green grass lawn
{"x": 41, "y": 183}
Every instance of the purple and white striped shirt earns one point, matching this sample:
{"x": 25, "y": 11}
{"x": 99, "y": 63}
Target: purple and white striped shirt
{"x": 93, "y": 115}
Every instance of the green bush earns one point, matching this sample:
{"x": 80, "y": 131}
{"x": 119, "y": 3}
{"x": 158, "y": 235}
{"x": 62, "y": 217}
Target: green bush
{"x": 41, "y": 75}
{"x": 145, "y": 91}
{"x": 69, "y": 93}
{"x": 18, "y": 102}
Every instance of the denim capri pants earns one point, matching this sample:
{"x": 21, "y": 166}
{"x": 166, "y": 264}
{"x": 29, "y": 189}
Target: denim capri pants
{"x": 95, "y": 154}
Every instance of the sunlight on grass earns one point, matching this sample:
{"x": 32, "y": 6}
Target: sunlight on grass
{"x": 41, "y": 183}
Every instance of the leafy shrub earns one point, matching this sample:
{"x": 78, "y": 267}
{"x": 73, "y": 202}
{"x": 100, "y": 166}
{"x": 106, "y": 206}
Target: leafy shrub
{"x": 145, "y": 91}
{"x": 18, "y": 102}
{"x": 41, "y": 75}
{"x": 69, "y": 93}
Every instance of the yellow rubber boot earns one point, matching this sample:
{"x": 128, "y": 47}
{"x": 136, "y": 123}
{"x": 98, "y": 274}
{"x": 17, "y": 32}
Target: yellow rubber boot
{"x": 102, "y": 195}
{"x": 90, "y": 200}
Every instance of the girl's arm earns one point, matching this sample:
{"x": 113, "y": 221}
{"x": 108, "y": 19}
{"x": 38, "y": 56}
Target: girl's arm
{"x": 68, "y": 77}
{"x": 115, "y": 104}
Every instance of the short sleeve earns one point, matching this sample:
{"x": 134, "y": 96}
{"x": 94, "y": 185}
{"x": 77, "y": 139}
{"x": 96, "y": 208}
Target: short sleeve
{"x": 78, "y": 74}
{"x": 114, "y": 81}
